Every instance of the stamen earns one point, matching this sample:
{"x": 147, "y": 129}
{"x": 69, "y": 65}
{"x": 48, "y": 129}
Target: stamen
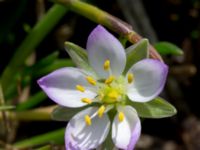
{"x": 91, "y": 80}
{"x": 86, "y": 100}
{"x": 130, "y": 77}
{"x": 101, "y": 111}
{"x": 80, "y": 88}
{"x": 88, "y": 120}
{"x": 113, "y": 95}
{"x": 121, "y": 116}
{"x": 109, "y": 80}
{"x": 106, "y": 65}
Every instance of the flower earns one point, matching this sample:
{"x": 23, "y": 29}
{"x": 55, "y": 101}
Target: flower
{"x": 106, "y": 93}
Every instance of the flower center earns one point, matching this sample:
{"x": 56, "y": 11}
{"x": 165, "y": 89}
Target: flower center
{"x": 112, "y": 90}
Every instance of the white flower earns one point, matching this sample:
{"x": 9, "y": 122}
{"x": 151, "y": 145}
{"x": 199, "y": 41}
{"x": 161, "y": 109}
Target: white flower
{"x": 107, "y": 93}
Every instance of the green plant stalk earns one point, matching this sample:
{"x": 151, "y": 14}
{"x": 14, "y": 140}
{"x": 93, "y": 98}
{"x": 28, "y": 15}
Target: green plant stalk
{"x": 38, "y": 114}
{"x": 36, "y": 35}
{"x": 54, "y": 137}
{"x": 43, "y": 114}
{"x": 1, "y": 96}
{"x": 101, "y": 17}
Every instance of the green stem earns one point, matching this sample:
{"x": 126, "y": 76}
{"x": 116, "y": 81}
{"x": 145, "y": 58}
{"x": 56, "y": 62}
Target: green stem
{"x": 39, "y": 114}
{"x": 1, "y": 96}
{"x": 37, "y": 34}
{"x": 101, "y": 17}
{"x": 54, "y": 137}
{"x": 35, "y": 114}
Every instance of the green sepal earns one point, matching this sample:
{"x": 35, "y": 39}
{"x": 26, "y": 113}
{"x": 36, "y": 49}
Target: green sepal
{"x": 61, "y": 113}
{"x": 108, "y": 143}
{"x": 136, "y": 53}
{"x": 79, "y": 57}
{"x": 167, "y": 48}
{"x": 156, "y": 108}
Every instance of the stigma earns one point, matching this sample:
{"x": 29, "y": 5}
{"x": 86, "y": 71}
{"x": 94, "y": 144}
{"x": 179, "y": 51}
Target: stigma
{"x": 113, "y": 95}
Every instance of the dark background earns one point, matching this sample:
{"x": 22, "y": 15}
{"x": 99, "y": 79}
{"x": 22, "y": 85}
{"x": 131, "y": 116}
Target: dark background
{"x": 177, "y": 21}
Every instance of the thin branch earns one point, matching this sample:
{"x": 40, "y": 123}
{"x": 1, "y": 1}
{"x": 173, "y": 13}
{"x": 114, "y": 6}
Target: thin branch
{"x": 113, "y": 23}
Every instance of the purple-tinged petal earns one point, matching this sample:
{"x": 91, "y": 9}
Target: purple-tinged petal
{"x": 135, "y": 136}
{"x": 60, "y": 86}
{"x": 149, "y": 80}
{"x": 125, "y": 134}
{"x": 102, "y": 46}
{"x": 79, "y": 136}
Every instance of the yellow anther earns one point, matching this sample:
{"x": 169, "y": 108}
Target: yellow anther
{"x": 130, "y": 77}
{"x": 106, "y": 65}
{"x": 101, "y": 111}
{"x": 86, "y": 100}
{"x": 109, "y": 80}
{"x": 91, "y": 80}
{"x": 80, "y": 88}
{"x": 88, "y": 120}
{"x": 121, "y": 116}
{"x": 113, "y": 95}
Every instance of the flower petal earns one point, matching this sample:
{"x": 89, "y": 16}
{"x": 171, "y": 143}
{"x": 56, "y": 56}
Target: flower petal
{"x": 60, "y": 86}
{"x": 125, "y": 134}
{"x": 149, "y": 80}
{"x": 102, "y": 46}
{"x": 79, "y": 136}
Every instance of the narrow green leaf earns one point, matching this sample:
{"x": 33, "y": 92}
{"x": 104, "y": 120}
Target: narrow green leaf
{"x": 46, "y": 60}
{"x": 59, "y": 63}
{"x": 35, "y": 36}
{"x": 32, "y": 101}
{"x": 63, "y": 113}
{"x": 136, "y": 53}
{"x": 54, "y": 137}
{"x": 43, "y": 63}
{"x": 6, "y": 107}
{"x": 167, "y": 48}
{"x": 79, "y": 56}
{"x": 46, "y": 147}
{"x": 157, "y": 108}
